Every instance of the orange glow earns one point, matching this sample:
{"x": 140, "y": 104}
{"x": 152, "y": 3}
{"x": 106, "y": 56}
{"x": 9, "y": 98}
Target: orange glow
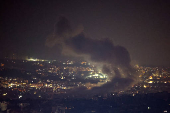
{"x": 150, "y": 77}
{"x": 2, "y": 65}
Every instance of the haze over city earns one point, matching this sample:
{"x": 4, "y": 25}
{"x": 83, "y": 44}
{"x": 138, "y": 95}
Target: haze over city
{"x": 85, "y": 56}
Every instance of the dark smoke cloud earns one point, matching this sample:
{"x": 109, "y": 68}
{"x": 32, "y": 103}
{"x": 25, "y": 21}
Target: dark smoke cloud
{"x": 115, "y": 85}
{"x": 114, "y": 60}
{"x": 100, "y": 50}
{"x": 62, "y": 28}
{"x": 62, "y": 31}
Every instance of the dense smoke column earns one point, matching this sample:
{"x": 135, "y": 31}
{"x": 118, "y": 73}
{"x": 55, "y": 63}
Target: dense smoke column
{"x": 62, "y": 28}
{"x": 100, "y": 50}
{"x": 115, "y": 60}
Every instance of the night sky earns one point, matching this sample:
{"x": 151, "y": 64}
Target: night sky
{"x": 142, "y": 27}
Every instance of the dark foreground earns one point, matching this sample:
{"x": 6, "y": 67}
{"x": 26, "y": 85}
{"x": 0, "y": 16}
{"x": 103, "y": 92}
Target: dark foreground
{"x": 139, "y": 103}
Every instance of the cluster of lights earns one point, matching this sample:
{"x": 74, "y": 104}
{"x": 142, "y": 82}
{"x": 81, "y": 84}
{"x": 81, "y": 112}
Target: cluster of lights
{"x": 97, "y": 76}
{"x": 20, "y": 96}
{"x": 4, "y": 94}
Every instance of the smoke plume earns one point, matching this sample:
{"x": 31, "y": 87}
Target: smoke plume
{"x": 112, "y": 60}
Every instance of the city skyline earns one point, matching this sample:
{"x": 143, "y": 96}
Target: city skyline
{"x": 85, "y": 56}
